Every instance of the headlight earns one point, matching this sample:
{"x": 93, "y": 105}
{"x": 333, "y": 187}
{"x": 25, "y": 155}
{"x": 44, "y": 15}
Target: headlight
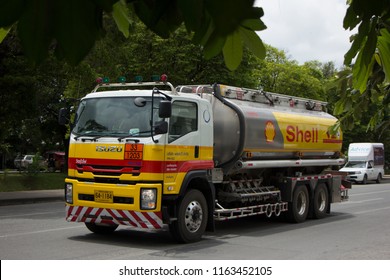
{"x": 148, "y": 199}
{"x": 358, "y": 172}
{"x": 69, "y": 193}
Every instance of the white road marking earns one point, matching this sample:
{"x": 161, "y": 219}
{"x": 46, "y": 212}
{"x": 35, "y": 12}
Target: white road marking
{"x": 39, "y": 231}
{"x": 32, "y": 214}
{"x": 372, "y": 210}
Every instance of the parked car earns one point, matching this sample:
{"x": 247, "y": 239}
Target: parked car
{"x": 18, "y": 161}
{"x": 29, "y": 160}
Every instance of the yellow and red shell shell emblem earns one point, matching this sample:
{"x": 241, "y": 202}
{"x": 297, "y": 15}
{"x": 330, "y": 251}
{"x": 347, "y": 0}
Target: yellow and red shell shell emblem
{"x": 269, "y": 131}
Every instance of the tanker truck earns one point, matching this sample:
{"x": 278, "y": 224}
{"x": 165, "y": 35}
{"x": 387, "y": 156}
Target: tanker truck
{"x": 149, "y": 155}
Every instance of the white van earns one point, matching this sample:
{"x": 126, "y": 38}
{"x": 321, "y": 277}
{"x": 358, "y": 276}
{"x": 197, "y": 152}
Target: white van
{"x": 365, "y": 162}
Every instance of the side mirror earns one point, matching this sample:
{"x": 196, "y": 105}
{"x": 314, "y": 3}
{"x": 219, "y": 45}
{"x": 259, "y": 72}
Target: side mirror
{"x": 63, "y": 116}
{"x": 161, "y": 127}
{"x": 165, "y": 109}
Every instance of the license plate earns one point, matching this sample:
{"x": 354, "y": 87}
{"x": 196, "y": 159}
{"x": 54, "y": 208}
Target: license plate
{"x": 104, "y": 196}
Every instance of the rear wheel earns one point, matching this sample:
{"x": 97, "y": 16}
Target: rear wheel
{"x": 299, "y": 207}
{"x": 320, "y": 201}
{"x": 101, "y": 228}
{"x": 191, "y": 218}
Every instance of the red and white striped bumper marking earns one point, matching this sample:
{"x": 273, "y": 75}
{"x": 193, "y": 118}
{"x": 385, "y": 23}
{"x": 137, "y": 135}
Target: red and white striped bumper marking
{"x": 151, "y": 220}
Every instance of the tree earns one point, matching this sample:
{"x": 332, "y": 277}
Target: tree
{"x": 279, "y": 74}
{"x": 367, "y": 80}
{"x": 71, "y": 27}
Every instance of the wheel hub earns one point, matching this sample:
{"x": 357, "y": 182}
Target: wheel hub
{"x": 301, "y": 205}
{"x": 193, "y": 216}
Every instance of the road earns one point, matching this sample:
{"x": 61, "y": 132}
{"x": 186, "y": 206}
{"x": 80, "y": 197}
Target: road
{"x": 357, "y": 229}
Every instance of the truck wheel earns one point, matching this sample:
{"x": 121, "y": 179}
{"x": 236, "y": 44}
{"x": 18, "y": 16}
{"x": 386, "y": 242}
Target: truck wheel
{"x": 101, "y": 228}
{"x": 320, "y": 201}
{"x": 299, "y": 207}
{"x": 379, "y": 178}
{"x": 191, "y": 218}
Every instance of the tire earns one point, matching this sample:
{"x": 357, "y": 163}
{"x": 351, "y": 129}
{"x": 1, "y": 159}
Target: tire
{"x": 191, "y": 218}
{"x": 101, "y": 228}
{"x": 364, "y": 179}
{"x": 298, "y": 209}
{"x": 320, "y": 201}
{"x": 379, "y": 178}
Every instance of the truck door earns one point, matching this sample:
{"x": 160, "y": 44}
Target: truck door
{"x": 182, "y": 150}
{"x": 371, "y": 171}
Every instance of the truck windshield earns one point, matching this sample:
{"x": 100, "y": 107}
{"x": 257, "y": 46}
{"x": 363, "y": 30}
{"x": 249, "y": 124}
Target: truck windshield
{"x": 114, "y": 116}
{"x": 356, "y": 164}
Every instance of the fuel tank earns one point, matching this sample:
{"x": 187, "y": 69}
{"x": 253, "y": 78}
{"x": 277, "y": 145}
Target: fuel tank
{"x": 269, "y": 129}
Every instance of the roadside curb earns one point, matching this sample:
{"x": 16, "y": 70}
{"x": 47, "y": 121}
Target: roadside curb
{"x": 27, "y": 197}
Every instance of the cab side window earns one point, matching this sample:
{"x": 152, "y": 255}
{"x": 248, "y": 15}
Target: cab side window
{"x": 183, "y": 120}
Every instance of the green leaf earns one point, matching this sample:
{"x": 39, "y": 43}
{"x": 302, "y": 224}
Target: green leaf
{"x": 254, "y": 24}
{"x": 77, "y": 26}
{"x": 253, "y": 42}
{"x": 214, "y": 45}
{"x": 233, "y": 50}
{"x": 10, "y": 11}
{"x": 358, "y": 39}
{"x": 361, "y": 72}
{"x": 365, "y": 61}
{"x": 192, "y": 11}
{"x": 120, "y": 14}
{"x": 35, "y": 29}
{"x": 202, "y": 35}
{"x": 3, "y": 33}
{"x": 227, "y": 15}
{"x": 106, "y": 5}
{"x": 160, "y": 16}
{"x": 384, "y": 53}
{"x": 350, "y": 19}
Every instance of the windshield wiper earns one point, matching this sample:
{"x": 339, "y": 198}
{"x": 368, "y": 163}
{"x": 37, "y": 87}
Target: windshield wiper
{"x": 92, "y": 137}
{"x": 127, "y": 136}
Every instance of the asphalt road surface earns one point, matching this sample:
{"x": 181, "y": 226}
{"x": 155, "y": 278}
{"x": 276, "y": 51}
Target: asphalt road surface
{"x": 357, "y": 229}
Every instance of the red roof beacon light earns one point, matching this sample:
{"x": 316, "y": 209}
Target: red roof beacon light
{"x": 164, "y": 78}
{"x": 99, "y": 80}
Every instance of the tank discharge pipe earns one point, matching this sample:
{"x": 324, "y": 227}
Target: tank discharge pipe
{"x": 287, "y": 163}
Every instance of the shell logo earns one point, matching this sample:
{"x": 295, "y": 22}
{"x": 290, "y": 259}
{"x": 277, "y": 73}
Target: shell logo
{"x": 269, "y": 132}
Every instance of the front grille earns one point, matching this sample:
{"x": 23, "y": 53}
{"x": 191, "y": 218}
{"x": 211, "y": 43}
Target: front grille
{"x": 108, "y": 170}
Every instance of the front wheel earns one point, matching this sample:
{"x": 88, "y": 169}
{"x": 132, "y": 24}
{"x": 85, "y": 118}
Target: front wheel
{"x": 101, "y": 228}
{"x": 299, "y": 207}
{"x": 191, "y": 218}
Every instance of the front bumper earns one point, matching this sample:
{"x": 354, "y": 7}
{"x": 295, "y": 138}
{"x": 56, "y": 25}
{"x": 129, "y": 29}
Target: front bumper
{"x": 150, "y": 220}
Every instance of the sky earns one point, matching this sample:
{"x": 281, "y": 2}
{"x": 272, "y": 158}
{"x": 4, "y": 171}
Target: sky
{"x": 306, "y": 29}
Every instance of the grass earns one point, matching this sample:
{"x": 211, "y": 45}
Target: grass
{"x": 25, "y": 181}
